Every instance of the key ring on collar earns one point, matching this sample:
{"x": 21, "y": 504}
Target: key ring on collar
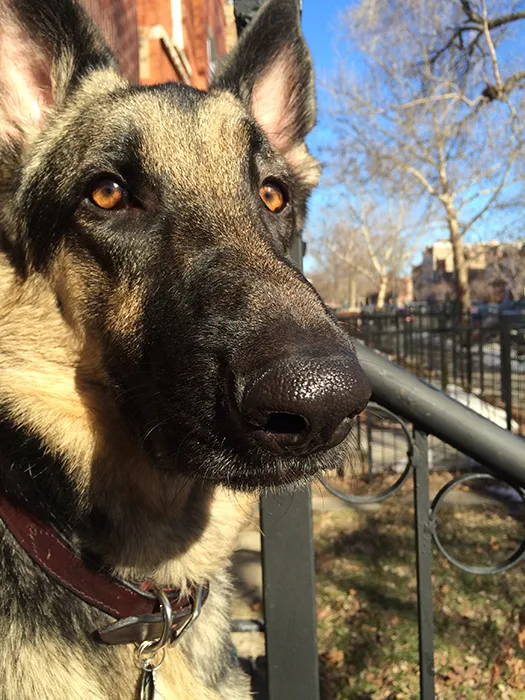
{"x": 148, "y": 650}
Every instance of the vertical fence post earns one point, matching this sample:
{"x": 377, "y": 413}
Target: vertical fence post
{"x": 505, "y": 368}
{"x": 424, "y": 565}
{"x": 398, "y": 350}
{"x": 289, "y": 597}
{"x": 481, "y": 341}
{"x": 454, "y": 330}
{"x": 468, "y": 348}
{"x": 431, "y": 345}
{"x": 443, "y": 358}
{"x": 289, "y": 589}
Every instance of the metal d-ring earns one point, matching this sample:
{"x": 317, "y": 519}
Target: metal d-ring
{"x": 195, "y": 612}
{"x": 167, "y": 613}
{"x": 148, "y": 650}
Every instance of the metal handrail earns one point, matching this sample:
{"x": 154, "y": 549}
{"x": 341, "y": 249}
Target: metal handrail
{"x": 437, "y": 414}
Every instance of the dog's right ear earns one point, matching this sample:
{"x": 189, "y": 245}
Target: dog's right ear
{"x": 270, "y": 70}
{"x": 46, "y": 48}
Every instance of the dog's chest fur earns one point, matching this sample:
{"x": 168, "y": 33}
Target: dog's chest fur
{"x": 49, "y": 651}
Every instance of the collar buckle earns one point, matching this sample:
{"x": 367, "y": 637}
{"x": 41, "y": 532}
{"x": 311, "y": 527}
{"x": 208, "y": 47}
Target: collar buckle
{"x": 153, "y": 632}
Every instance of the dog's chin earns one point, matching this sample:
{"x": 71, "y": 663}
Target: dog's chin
{"x": 247, "y": 471}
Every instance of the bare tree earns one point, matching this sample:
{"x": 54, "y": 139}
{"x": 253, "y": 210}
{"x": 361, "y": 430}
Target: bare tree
{"x": 507, "y": 265}
{"x": 341, "y": 275}
{"x": 403, "y": 112}
{"x": 338, "y": 281}
{"x": 373, "y": 241}
{"x": 475, "y": 36}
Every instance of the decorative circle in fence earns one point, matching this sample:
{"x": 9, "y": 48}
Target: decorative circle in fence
{"x": 406, "y": 438}
{"x": 439, "y": 503}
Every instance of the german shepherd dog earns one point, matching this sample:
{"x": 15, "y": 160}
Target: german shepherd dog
{"x": 160, "y": 355}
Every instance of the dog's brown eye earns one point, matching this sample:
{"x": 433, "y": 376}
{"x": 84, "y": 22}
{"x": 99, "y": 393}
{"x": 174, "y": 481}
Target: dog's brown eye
{"x": 273, "y": 196}
{"x": 108, "y": 194}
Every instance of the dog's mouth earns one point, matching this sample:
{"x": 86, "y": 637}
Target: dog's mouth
{"x": 248, "y": 470}
{"x": 272, "y": 449}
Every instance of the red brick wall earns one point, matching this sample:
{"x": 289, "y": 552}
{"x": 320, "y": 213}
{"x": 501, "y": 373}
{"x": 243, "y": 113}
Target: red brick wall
{"x": 117, "y": 19}
{"x": 127, "y": 27}
{"x": 206, "y": 14}
{"x": 197, "y": 15}
{"x": 155, "y": 64}
{"x": 190, "y": 20}
{"x": 217, "y": 22}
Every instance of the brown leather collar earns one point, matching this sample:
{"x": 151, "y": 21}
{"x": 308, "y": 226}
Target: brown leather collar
{"x": 135, "y": 606}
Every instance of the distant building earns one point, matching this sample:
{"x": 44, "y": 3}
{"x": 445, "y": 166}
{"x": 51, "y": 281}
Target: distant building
{"x": 433, "y": 278}
{"x": 404, "y": 290}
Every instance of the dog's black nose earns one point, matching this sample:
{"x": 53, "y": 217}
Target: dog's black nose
{"x": 303, "y": 404}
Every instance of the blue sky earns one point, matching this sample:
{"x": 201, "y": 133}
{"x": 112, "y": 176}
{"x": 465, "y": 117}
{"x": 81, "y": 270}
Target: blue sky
{"x": 319, "y": 27}
{"x": 320, "y": 19}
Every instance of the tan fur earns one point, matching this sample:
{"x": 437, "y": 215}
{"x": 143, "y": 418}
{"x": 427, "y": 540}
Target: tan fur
{"x": 213, "y": 145}
{"x": 126, "y": 310}
{"x": 50, "y": 390}
{"x": 49, "y": 670}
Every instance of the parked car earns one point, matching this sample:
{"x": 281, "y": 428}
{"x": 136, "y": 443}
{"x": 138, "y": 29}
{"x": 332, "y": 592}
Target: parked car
{"x": 517, "y": 336}
{"x": 405, "y": 314}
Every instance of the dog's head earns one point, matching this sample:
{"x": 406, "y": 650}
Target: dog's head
{"x": 162, "y": 218}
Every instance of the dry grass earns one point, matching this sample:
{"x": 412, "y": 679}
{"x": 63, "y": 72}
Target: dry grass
{"x": 366, "y": 594}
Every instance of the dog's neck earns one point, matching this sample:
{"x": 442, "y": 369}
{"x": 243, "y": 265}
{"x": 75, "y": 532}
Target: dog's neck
{"x": 67, "y": 453}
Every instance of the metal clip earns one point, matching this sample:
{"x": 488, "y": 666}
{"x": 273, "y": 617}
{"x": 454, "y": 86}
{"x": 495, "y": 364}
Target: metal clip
{"x": 151, "y": 654}
{"x": 195, "y": 612}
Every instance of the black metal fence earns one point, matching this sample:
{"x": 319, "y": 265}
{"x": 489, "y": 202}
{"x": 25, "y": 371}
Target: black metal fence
{"x": 415, "y": 411}
{"x": 479, "y": 360}
{"x": 474, "y": 361}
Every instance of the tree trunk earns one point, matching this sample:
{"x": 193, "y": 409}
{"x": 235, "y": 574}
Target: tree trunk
{"x": 352, "y": 291}
{"x": 460, "y": 264}
{"x": 381, "y": 295}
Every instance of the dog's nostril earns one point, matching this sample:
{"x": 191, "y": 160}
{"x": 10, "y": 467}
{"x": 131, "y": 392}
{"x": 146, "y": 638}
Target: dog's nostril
{"x": 303, "y": 403}
{"x": 285, "y": 424}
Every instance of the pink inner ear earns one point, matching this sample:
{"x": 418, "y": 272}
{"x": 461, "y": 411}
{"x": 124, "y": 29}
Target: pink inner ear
{"x": 272, "y": 103}
{"x": 25, "y": 81}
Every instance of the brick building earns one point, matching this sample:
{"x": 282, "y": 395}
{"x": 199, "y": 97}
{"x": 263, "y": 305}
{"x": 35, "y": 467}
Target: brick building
{"x": 117, "y": 19}
{"x": 492, "y": 268}
{"x": 159, "y": 41}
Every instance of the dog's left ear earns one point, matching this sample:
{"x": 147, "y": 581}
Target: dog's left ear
{"x": 270, "y": 70}
{"x": 46, "y": 48}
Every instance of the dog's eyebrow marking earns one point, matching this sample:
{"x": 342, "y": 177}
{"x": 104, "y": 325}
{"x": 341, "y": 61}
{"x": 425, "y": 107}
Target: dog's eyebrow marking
{"x": 257, "y": 140}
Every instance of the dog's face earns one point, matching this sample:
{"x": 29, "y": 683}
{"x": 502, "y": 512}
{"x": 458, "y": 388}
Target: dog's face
{"x": 162, "y": 217}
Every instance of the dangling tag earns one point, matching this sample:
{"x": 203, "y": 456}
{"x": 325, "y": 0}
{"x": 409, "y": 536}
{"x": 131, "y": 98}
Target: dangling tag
{"x": 147, "y": 684}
